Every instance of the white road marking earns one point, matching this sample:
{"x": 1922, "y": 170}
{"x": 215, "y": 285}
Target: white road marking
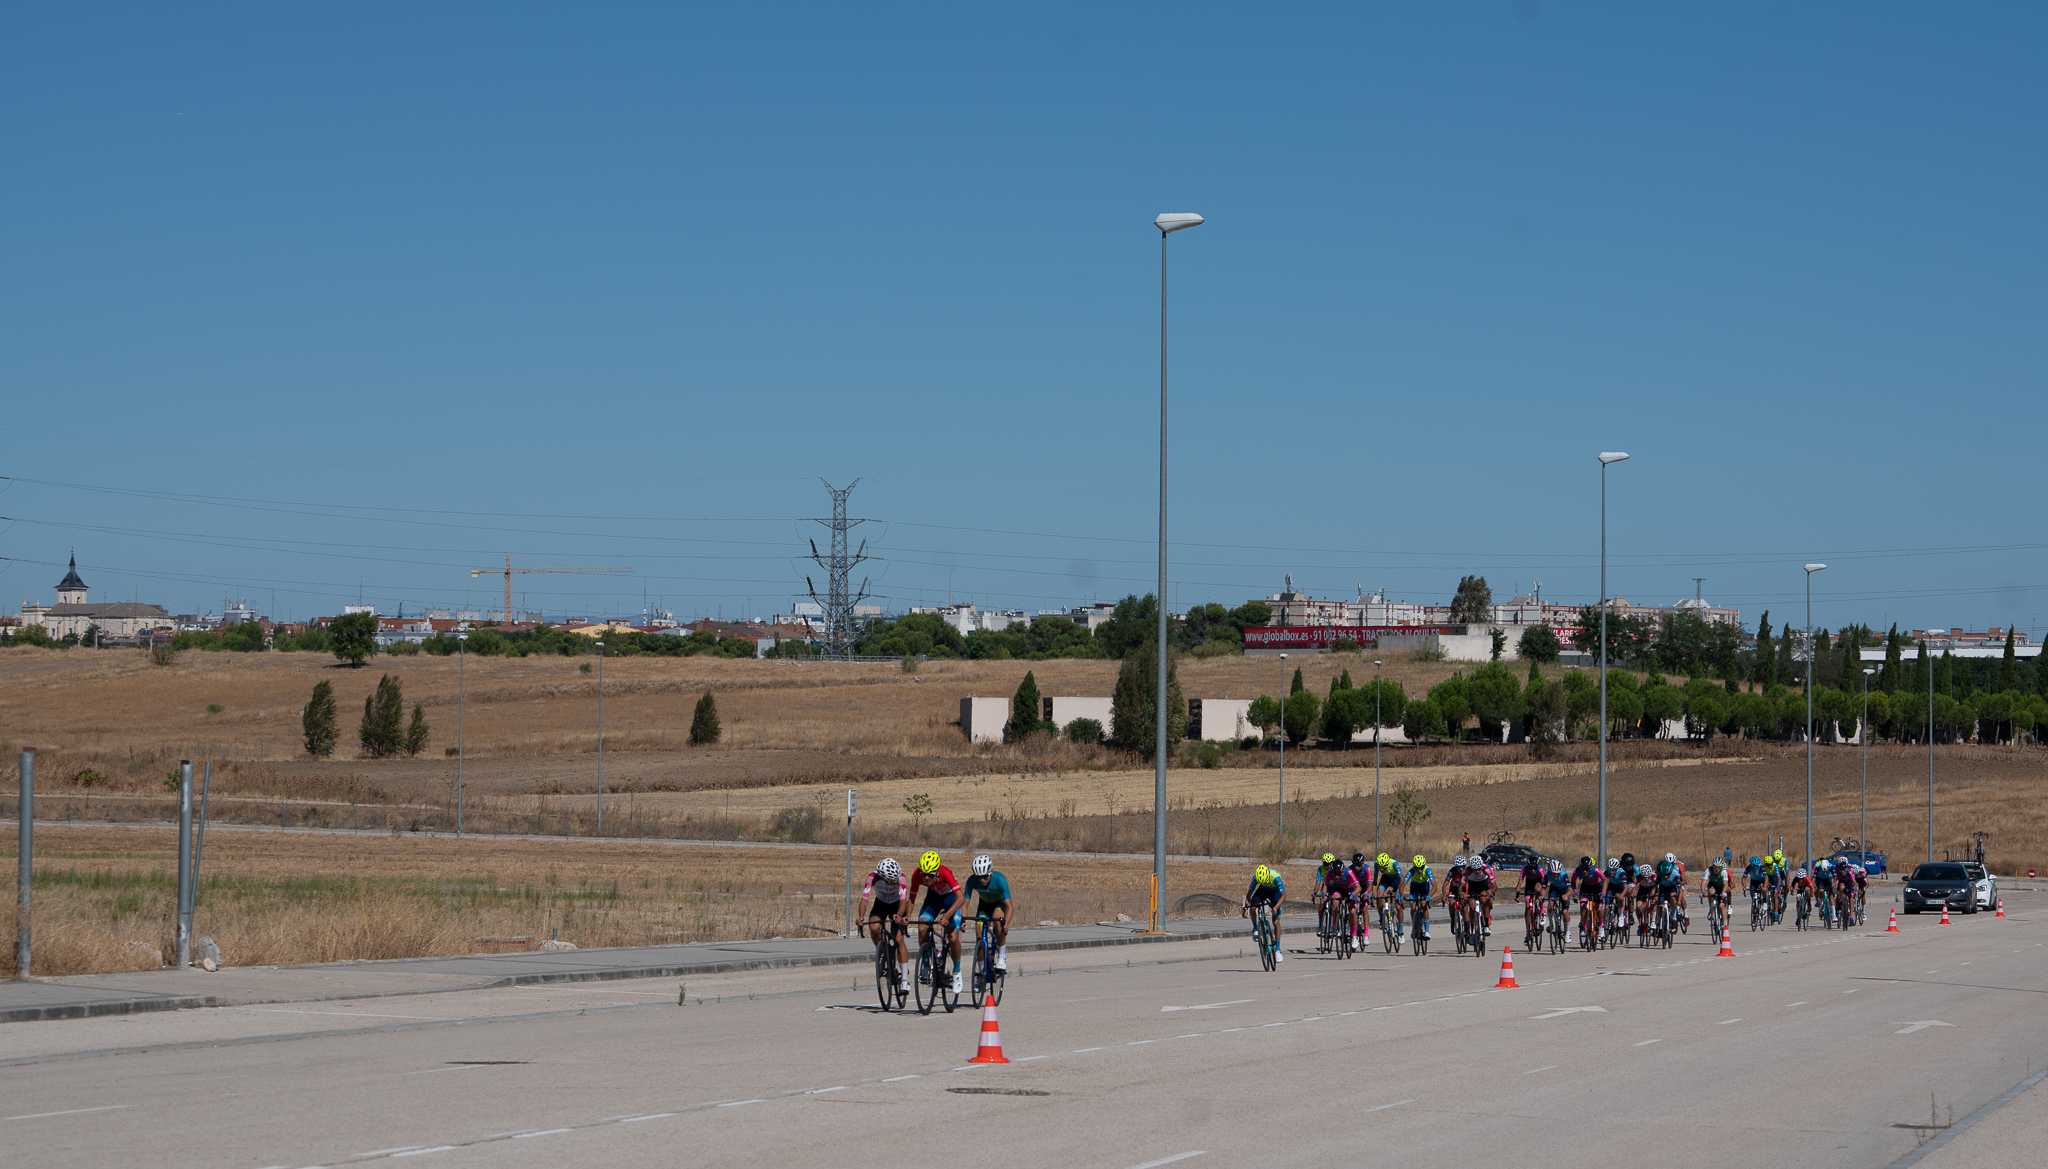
{"x": 428, "y": 1149}
{"x": 1647, "y": 1042}
{"x": 1549, "y": 1067}
{"x": 1177, "y": 1157}
{"x": 914, "y": 1076}
{"x": 458, "y": 1067}
{"x": 1799, "y": 1003}
{"x": 1966, "y": 963}
{"x": 548, "y": 1132}
{"x": 1851, "y": 990}
{"x": 343, "y": 1014}
{"x": 1920, "y": 1025}
{"x": 1384, "y": 1107}
{"x": 727, "y": 1104}
{"x": 647, "y": 1116}
{"x": 1726, "y": 1022}
{"x": 1191, "y": 1035}
{"x": 1020, "y": 1059}
{"x": 388, "y": 1152}
{"x": 836, "y": 1087}
{"x": 1208, "y": 1006}
{"x": 1141, "y": 1042}
{"x": 66, "y": 1112}
{"x": 1563, "y": 1011}
{"x": 1086, "y": 1050}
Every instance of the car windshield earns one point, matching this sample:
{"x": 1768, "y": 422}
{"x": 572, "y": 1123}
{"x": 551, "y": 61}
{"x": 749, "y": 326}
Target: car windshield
{"x": 1939, "y": 873}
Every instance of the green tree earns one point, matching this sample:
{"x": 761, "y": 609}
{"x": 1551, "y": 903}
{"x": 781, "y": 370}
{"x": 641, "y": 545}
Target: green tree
{"x": 1251, "y": 614}
{"x": 1661, "y": 704}
{"x": 1547, "y": 711}
{"x": 1132, "y": 710}
{"x": 1539, "y": 644}
{"x": 704, "y": 728}
{"x": 1347, "y": 712}
{"x": 1299, "y": 715}
{"x": 382, "y": 731}
{"x": 1706, "y": 710}
{"x": 317, "y": 721}
{"x": 1422, "y": 720}
{"x": 1582, "y": 696}
{"x": 1453, "y": 702}
{"x": 353, "y": 637}
{"x": 242, "y": 637}
{"x": 1296, "y": 686}
{"x": 416, "y": 732}
{"x": 1766, "y": 671}
{"x": 1264, "y": 713}
{"x": 1393, "y": 702}
{"x": 1495, "y": 697}
{"x": 1473, "y": 602}
{"x": 1026, "y": 710}
{"x": 1499, "y": 646}
{"x": 1945, "y": 674}
{"x": 2009, "y": 666}
{"x": 1133, "y": 623}
{"x": 1406, "y": 812}
{"x": 1892, "y": 676}
{"x": 1786, "y": 669}
{"x": 1084, "y": 730}
{"x": 919, "y": 805}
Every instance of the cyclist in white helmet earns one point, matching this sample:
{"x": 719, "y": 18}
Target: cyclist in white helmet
{"x": 885, "y": 884}
{"x": 988, "y": 883}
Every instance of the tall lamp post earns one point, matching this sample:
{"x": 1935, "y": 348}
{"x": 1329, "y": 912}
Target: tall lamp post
{"x": 1607, "y": 459}
{"x": 600, "y": 736}
{"x": 461, "y": 707}
{"x": 1167, "y": 223}
{"x": 1284, "y": 696}
{"x": 1927, "y": 660}
{"x": 1810, "y": 570}
{"x": 1863, "y": 800}
{"x": 1377, "y": 847}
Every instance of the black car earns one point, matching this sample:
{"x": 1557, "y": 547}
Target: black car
{"x": 1941, "y": 883}
{"x": 1511, "y": 857}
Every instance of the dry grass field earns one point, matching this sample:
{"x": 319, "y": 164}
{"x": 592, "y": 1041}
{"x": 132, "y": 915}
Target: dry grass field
{"x": 105, "y": 896}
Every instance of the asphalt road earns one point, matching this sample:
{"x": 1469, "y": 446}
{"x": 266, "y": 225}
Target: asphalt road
{"x": 1809, "y": 1049}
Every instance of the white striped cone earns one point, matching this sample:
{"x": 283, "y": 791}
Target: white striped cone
{"x": 991, "y": 1049}
{"x": 1727, "y": 943}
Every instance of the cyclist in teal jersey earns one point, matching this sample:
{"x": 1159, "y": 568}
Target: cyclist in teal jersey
{"x": 993, "y": 889}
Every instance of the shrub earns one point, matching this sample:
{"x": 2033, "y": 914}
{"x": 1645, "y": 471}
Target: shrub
{"x": 416, "y": 734}
{"x": 162, "y": 652}
{"x": 382, "y": 731}
{"x": 909, "y": 663}
{"x": 583, "y": 668}
{"x": 403, "y": 649}
{"x": 1084, "y": 730}
{"x": 214, "y": 708}
{"x": 87, "y": 777}
{"x": 802, "y": 824}
{"x": 704, "y": 728}
{"x": 1210, "y": 756}
{"x": 317, "y": 721}
{"x": 353, "y": 637}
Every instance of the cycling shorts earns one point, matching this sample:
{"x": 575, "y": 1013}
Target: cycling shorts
{"x": 991, "y": 908}
{"x": 936, "y": 906}
{"x": 884, "y": 909}
{"x": 1479, "y": 889}
{"x": 1265, "y": 895}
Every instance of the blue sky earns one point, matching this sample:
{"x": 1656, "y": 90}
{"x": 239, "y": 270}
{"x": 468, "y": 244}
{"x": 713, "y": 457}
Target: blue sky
{"x": 630, "y": 280}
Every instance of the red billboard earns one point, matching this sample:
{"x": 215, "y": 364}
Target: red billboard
{"x": 1323, "y": 636}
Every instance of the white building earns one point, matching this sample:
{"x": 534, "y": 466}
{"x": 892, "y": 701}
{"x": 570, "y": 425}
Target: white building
{"x": 74, "y": 614}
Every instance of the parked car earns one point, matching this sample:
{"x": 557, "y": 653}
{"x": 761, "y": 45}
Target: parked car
{"x": 1871, "y": 860}
{"x": 1511, "y": 857}
{"x": 1985, "y": 885}
{"x": 1936, "y": 884}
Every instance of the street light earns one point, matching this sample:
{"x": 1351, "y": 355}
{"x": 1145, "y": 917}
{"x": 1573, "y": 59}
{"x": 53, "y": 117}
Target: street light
{"x": 1607, "y": 459}
{"x": 1927, "y": 662}
{"x": 600, "y": 736}
{"x": 1863, "y": 735}
{"x": 1167, "y": 223}
{"x": 1284, "y": 696}
{"x": 1377, "y": 847}
{"x": 461, "y": 706}
{"x": 1810, "y": 570}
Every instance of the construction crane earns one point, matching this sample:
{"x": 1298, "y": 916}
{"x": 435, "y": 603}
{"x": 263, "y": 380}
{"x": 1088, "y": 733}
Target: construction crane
{"x": 508, "y": 570}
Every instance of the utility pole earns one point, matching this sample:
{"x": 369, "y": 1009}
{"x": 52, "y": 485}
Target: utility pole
{"x": 839, "y": 599}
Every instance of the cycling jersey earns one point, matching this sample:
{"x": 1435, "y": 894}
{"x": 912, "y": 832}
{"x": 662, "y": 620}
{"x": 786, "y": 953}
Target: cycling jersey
{"x": 1717, "y": 879}
{"x": 885, "y": 890}
{"x": 1592, "y": 882}
{"x": 994, "y": 890}
{"x": 1420, "y": 880}
{"x": 1339, "y": 882}
{"x": 1259, "y": 894}
{"x": 941, "y": 889}
{"x": 1389, "y": 879}
{"x": 1533, "y": 877}
{"x": 1669, "y": 875}
{"x": 1478, "y": 878}
{"x": 1559, "y": 884}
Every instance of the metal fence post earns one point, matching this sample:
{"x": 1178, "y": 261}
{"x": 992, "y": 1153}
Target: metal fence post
{"x": 199, "y": 832}
{"x": 26, "y": 880}
{"x": 850, "y": 798}
{"x": 184, "y": 863}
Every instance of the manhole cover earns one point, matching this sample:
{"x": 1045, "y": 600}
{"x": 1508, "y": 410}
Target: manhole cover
{"x": 485, "y": 1063}
{"x": 999, "y": 1091}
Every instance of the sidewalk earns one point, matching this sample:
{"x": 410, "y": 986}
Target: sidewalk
{"x": 81, "y": 996}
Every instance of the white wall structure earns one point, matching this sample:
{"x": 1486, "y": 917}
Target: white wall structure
{"x": 984, "y": 718}
{"x": 1225, "y": 720}
{"x": 1457, "y": 647}
{"x": 1063, "y": 710}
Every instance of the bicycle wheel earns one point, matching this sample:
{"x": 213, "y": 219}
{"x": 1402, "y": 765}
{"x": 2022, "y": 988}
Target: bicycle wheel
{"x": 1475, "y": 928}
{"x": 1389, "y": 936}
{"x": 925, "y": 981}
{"x": 885, "y": 973}
{"x": 943, "y": 980}
{"x": 1262, "y": 935}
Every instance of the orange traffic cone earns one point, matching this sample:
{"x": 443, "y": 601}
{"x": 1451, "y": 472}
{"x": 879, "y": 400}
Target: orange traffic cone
{"x": 1727, "y": 943}
{"x": 991, "y": 1049}
{"x": 2001, "y": 908}
{"x": 1507, "y": 970}
{"x": 1892, "y": 926}
{"x": 1944, "y": 913}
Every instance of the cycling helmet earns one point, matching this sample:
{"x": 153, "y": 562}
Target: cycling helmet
{"x": 1385, "y": 860}
{"x": 1262, "y": 875}
{"x": 929, "y": 862}
{"x": 1611, "y": 862}
{"x": 1801, "y": 873}
{"x": 983, "y": 866}
{"x": 1357, "y": 858}
{"x": 1670, "y": 858}
{"x": 1419, "y": 862}
{"x": 1778, "y": 854}
{"x": 1822, "y": 867}
{"x": 1329, "y": 858}
{"x": 1585, "y": 862}
{"x": 1457, "y": 862}
{"x": 1756, "y": 860}
{"x": 1643, "y": 870}
{"x": 889, "y": 869}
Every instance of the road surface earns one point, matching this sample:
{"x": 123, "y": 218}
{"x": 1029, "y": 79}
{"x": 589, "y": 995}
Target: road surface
{"x": 1809, "y": 1049}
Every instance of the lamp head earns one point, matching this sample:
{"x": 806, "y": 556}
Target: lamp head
{"x": 1169, "y": 222}
{"x": 1815, "y": 567}
{"x": 1613, "y": 457}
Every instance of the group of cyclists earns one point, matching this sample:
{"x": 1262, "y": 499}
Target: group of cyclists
{"x": 1612, "y": 904}
{"x": 948, "y": 903}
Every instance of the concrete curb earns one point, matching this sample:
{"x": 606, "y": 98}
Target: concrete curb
{"x": 151, "y": 1003}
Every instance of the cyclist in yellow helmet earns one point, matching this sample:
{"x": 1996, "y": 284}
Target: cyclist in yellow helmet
{"x": 1267, "y": 888}
{"x": 1421, "y": 884}
{"x": 942, "y": 901}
